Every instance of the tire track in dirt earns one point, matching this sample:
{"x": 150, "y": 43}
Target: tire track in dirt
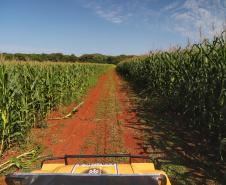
{"x": 104, "y": 124}
{"x": 133, "y": 135}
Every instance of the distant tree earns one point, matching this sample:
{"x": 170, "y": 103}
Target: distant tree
{"x": 59, "y": 57}
{"x": 72, "y": 58}
{"x": 8, "y": 56}
{"x": 20, "y": 56}
{"x": 111, "y": 60}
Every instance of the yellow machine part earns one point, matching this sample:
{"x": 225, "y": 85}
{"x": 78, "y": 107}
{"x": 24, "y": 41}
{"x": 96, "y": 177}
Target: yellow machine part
{"x": 133, "y": 168}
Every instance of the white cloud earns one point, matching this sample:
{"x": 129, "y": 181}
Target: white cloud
{"x": 110, "y": 16}
{"x": 170, "y": 6}
{"x": 182, "y": 16}
{"x": 194, "y": 14}
{"x": 109, "y": 10}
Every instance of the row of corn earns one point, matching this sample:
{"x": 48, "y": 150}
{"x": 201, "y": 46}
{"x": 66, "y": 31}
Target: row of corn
{"x": 29, "y": 92}
{"x": 192, "y": 81}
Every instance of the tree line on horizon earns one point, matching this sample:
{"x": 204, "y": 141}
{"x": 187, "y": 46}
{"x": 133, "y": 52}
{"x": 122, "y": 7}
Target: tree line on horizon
{"x": 59, "y": 57}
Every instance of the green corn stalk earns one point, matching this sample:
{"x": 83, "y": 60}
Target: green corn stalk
{"x": 30, "y": 156}
{"x": 28, "y": 92}
{"x": 192, "y": 79}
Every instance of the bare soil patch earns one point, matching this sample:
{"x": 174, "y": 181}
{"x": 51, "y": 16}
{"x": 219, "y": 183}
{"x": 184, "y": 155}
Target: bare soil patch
{"x": 106, "y": 117}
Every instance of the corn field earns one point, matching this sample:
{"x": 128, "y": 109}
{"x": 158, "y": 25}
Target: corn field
{"x": 192, "y": 81}
{"x": 29, "y": 92}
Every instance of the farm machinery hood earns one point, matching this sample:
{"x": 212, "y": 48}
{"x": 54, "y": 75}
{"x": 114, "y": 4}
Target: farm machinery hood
{"x": 92, "y": 174}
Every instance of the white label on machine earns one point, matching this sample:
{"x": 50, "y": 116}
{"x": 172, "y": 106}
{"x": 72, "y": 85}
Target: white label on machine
{"x": 95, "y": 169}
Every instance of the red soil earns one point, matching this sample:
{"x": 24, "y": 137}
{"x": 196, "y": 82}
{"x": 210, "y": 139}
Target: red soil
{"x": 78, "y": 128}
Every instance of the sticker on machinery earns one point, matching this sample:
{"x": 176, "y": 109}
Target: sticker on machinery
{"x": 95, "y": 169}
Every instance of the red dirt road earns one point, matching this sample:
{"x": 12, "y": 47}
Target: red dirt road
{"x": 104, "y": 124}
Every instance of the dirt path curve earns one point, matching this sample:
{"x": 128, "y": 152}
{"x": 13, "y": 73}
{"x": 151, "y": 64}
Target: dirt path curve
{"x": 104, "y": 124}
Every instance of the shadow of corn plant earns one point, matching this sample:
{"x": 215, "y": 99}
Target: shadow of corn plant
{"x": 176, "y": 147}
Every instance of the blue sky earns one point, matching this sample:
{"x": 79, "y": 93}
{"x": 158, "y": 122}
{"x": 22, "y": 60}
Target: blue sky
{"x": 110, "y": 27}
